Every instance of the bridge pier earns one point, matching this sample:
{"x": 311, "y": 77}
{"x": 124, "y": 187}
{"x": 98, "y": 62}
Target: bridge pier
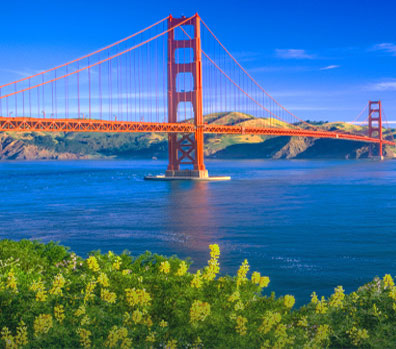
{"x": 375, "y": 129}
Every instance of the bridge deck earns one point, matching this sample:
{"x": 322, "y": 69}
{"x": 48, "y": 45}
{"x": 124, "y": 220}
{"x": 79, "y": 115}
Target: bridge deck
{"x": 27, "y": 124}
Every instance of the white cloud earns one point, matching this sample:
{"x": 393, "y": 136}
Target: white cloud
{"x": 386, "y": 47}
{"x": 293, "y": 53}
{"x": 246, "y": 56}
{"x": 329, "y": 67}
{"x": 271, "y": 69}
{"x": 383, "y": 86}
{"x": 21, "y": 73}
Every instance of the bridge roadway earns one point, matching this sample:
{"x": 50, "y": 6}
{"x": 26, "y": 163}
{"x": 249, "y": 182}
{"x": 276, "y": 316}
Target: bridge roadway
{"x": 27, "y": 124}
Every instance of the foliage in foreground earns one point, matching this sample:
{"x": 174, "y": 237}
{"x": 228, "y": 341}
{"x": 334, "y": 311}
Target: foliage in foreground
{"x": 52, "y": 298}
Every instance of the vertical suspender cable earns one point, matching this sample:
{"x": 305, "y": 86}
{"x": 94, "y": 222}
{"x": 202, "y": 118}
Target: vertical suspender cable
{"x": 89, "y": 89}
{"x": 78, "y": 91}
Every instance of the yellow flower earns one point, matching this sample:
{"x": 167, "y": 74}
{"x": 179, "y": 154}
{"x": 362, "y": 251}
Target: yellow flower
{"x": 322, "y": 333}
{"x": 269, "y": 321}
{"x": 137, "y": 316}
{"x": 117, "y": 263}
{"x": 37, "y": 285}
{"x": 137, "y": 297}
{"x": 163, "y": 323}
{"x": 213, "y": 267}
{"x": 337, "y": 297}
{"x": 241, "y": 325}
{"x": 126, "y": 271}
{"x": 8, "y": 338}
{"x": 151, "y": 337}
{"x": 314, "y": 298}
{"x": 358, "y": 336}
{"x": 59, "y": 313}
{"x": 197, "y": 280}
{"x": 289, "y": 301}
{"x": 12, "y": 281}
{"x": 242, "y": 272}
{"x": 234, "y": 297}
{"x": 84, "y": 334}
{"x": 199, "y": 311}
{"x": 14, "y": 342}
{"x": 127, "y": 319}
{"x": 57, "y": 285}
{"x": 354, "y": 297}
{"x": 41, "y": 296}
{"x": 239, "y": 306}
{"x": 264, "y": 281}
{"x": 165, "y": 267}
{"x": 21, "y": 337}
{"x": 392, "y": 293}
{"x": 182, "y": 269}
{"x": 256, "y": 277}
{"x": 42, "y": 324}
{"x": 89, "y": 291}
{"x": 107, "y": 296}
{"x": 214, "y": 251}
{"x": 103, "y": 280}
{"x": 126, "y": 343}
{"x": 116, "y": 335}
{"x": 80, "y": 311}
{"x": 321, "y": 307}
{"x": 388, "y": 281}
{"x": 93, "y": 263}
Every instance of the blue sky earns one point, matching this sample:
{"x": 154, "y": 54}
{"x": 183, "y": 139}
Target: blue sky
{"x": 323, "y": 60}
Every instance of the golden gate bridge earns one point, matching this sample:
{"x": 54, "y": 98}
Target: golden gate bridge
{"x": 174, "y": 77}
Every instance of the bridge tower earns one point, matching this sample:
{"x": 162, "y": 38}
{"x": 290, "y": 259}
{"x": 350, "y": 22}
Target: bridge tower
{"x": 185, "y": 149}
{"x": 375, "y": 127}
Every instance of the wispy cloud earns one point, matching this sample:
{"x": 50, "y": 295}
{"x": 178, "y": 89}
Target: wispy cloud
{"x": 293, "y": 53}
{"x": 20, "y": 73}
{"x": 383, "y": 86}
{"x": 272, "y": 69}
{"x": 247, "y": 56}
{"x": 329, "y": 67}
{"x": 386, "y": 47}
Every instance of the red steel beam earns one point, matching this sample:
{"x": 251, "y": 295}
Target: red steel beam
{"x": 290, "y": 132}
{"x": 21, "y": 124}
{"x": 24, "y": 124}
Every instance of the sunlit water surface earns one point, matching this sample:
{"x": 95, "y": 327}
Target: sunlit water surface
{"x": 309, "y": 225}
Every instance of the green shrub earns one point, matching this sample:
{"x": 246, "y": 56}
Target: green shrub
{"x": 49, "y": 297}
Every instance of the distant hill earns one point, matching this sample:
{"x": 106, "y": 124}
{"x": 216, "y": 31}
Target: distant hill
{"x": 41, "y": 145}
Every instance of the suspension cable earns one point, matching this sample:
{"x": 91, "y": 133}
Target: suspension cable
{"x": 99, "y": 62}
{"x": 88, "y": 55}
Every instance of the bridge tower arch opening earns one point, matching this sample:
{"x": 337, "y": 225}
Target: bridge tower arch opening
{"x": 375, "y": 128}
{"x": 185, "y": 149}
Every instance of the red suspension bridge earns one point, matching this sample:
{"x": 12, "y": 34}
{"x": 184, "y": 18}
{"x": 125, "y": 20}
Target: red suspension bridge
{"x": 174, "y": 76}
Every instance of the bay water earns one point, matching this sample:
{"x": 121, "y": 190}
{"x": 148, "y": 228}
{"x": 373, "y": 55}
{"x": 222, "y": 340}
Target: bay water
{"x": 308, "y": 225}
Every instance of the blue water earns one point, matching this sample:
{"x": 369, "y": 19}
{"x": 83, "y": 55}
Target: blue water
{"x": 309, "y": 225}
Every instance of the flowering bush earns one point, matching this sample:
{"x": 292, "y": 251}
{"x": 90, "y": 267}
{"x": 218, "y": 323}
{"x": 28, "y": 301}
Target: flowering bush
{"x": 50, "y": 297}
